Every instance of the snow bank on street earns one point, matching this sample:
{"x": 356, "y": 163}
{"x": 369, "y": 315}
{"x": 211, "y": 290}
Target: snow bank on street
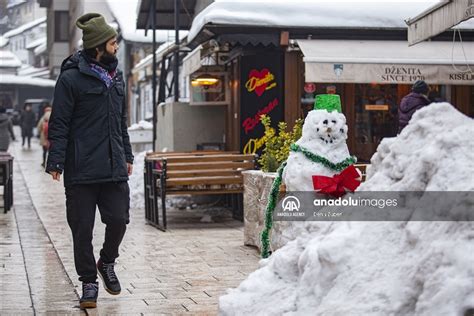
{"x": 433, "y": 153}
{"x": 141, "y": 125}
{"x": 137, "y": 191}
{"x": 380, "y": 268}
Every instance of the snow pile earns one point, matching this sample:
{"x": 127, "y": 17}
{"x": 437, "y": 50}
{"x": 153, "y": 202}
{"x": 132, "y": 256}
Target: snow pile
{"x": 141, "y": 125}
{"x": 380, "y": 268}
{"x": 137, "y": 191}
{"x": 433, "y": 153}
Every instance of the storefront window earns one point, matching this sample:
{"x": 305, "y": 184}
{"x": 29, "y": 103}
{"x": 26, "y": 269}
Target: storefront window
{"x": 310, "y": 90}
{"x": 376, "y": 116}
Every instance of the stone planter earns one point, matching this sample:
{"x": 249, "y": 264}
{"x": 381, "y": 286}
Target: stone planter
{"x": 257, "y": 185}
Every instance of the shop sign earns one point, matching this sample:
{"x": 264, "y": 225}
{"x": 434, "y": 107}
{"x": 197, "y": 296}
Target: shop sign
{"x": 261, "y": 93}
{"x": 376, "y": 107}
{"x": 389, "y": 73}
{"x": 260, "y": 81}
{"x": 309, "y": 87}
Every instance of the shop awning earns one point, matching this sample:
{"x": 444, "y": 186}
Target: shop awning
{"x": 438, "y": 19}
{"x": 351, "y": 61}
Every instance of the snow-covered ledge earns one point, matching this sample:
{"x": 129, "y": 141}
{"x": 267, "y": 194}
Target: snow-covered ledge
{"x": 257, "y": 185}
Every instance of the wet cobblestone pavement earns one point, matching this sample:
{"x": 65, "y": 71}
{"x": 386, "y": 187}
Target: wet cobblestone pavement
{"x": 181, "y": 271}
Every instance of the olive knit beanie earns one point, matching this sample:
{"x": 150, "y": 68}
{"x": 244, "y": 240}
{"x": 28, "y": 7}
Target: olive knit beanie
{"x": 95, "y": 30}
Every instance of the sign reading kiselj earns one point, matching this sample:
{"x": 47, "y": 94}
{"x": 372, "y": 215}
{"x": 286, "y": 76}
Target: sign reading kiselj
{"x": 389, "y": 73}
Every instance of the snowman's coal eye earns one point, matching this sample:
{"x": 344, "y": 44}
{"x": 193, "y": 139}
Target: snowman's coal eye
{"x": 317, "y": 129}
{"x": 325, "y": 122}
{"x": 334, "y": 121}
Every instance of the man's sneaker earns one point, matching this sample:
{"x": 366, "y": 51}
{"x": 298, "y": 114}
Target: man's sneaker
{"x": 89, "y": 295}
{"x": 107, "y": 274}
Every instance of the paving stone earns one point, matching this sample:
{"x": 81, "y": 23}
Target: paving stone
{"x": 179, "y": 272}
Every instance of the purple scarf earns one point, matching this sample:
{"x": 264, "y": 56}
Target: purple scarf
{"x": 106, "y": 76}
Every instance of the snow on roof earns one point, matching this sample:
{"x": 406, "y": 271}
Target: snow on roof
{"x": 28, "y": 70}
{"x": 40, "y": 49}
{"x": 125, "y": 12}
{"x": 25, "y": 80}
{"x": 14, "y": 3}
{"x": 372, "y": 268}
{"x": 24, "y": 27}
{"x": 9, "y": 60}
{"x": 311, "y": 14}
{"x": 3, "y": 41}
{"x": 36, "y": 43}
{"x": 159, "y": 54}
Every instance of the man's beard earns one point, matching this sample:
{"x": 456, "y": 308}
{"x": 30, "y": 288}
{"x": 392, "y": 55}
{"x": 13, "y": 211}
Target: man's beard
{"x": 108, "y": 59}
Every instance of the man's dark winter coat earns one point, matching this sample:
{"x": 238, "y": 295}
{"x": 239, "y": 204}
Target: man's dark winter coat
{"x": 409, "y": 105}
{"x": 88, "y": 126}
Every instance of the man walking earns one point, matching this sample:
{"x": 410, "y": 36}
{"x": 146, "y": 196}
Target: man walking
{"x": 27, "y": 123}
{"x": 88, "y": 139}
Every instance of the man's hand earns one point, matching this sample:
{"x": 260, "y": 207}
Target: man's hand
{"x": 56, "y": 175}
{"x": 129, "y": 168}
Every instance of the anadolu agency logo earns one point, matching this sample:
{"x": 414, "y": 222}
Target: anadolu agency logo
{"x": 290, "y": 207}
{"x": 290, "y": 204}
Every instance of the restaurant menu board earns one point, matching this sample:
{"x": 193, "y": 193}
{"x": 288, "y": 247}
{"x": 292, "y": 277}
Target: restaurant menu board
{"x": 261, "y": 93}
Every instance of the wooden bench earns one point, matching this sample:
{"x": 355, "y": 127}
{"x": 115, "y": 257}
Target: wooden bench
{"x": 6, "y": 178}
{"x": 194, "y": 173}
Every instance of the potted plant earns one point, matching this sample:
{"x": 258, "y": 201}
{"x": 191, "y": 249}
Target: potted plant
{"x": 257, "y": 183}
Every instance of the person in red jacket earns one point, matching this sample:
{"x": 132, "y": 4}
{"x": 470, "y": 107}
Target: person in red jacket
{"x": 42, "y": 127}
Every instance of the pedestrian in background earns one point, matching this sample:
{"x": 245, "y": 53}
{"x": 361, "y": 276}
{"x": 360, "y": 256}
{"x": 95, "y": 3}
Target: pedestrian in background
{"x": 415, "y": 100}
{"x": 89, "y": 141}
{"x": 27, "y": 123}
{"x": 43, "y": 128}
{"x": 6, "y": 129}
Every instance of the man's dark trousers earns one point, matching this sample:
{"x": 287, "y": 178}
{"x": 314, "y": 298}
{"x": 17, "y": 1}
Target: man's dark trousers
{"x": 113, "y": 201}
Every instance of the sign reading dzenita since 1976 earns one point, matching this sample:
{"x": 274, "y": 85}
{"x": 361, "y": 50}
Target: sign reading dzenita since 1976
{"x": 383, "y": 73}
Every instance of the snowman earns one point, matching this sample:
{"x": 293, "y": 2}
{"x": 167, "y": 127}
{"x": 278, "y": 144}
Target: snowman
{"x": 321, "y": 146}
{"x": 319, "y": 161}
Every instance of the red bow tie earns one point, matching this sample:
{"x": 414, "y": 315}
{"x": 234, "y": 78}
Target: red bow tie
{"x": 336, "y": 185}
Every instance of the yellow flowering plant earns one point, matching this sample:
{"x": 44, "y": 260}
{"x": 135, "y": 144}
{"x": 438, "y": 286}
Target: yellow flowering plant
{"x": 277, "y": 145}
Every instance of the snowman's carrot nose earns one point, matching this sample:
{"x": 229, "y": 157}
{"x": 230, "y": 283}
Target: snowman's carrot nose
{"x": 329, "y": 130}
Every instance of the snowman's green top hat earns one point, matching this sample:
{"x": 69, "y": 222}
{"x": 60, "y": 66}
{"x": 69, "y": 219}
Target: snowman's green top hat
{"x": 328, "y": 102}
